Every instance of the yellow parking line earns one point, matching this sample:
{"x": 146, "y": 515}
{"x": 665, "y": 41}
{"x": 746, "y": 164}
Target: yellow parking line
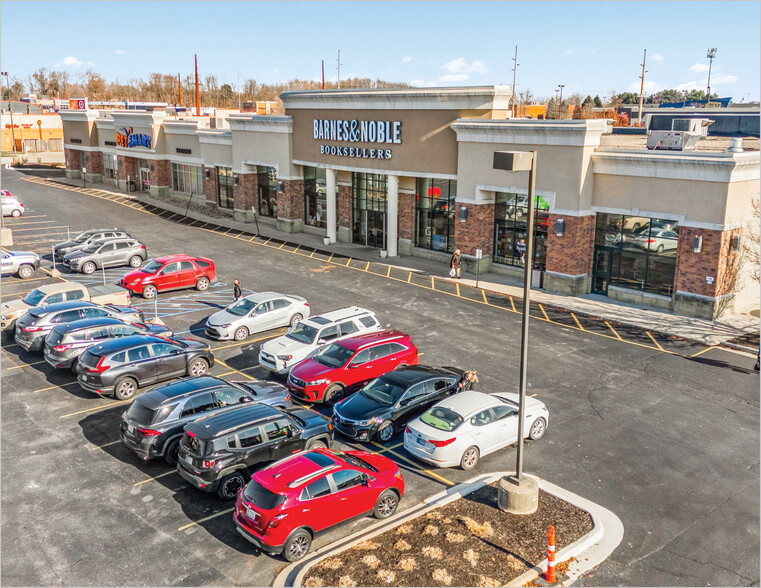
{"x": 23, "y": 281}
{"x": 219, "y": 361}
{"x": 297, "y": 248}
{"x": 104, "y": 445}
{"x": 483, "y": 293}
{"x": 577, "y": 322}
{"x": 53, "y": 387}
{"x": 95, "y": 408}
{"x": 18, "y": 367}
{"x": 203, "y": 520}
{"x": 267, "y": 241}
{"x": 388, "y": 273}
{"x": 155, "y": 478}
{"x": 703, "y": 351}
{"x": 433, "y": 285}
{"x": 282, "y": 245}
{"x": 512, "y": 303}
{"x": 252, "y": 238}
{"x": 544, "y": 312}
{"x": 658, "y": 345}
{"x": 33, "y": 216}
{"x": 34, "y": 223}
{"x": 56, "y": 230}
{"x": 409, "y": 277}
{"x": 614, "y": 331}
{"x": 312, "y": 254}
{"x": 331, "y": 257}
{"x": 367, "y": 267}
{"x": 457, "y": 285}
{"x": 225, "y": 374}
{"x": 429, "y": 472}
{"x": 348, "y": 262}
{"x": 239, "y": 343}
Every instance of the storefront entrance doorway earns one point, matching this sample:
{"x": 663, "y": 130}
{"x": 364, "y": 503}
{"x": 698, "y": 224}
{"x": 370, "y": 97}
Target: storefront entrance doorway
{"x": 602, "y": 269}
{"x": 369, "y": 199}
{"x": 145, "y": 178}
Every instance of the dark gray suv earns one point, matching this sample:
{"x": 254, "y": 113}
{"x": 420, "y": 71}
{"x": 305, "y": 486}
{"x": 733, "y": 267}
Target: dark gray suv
{"x": 106, "y": 253}
{"x": 154, "y": 423}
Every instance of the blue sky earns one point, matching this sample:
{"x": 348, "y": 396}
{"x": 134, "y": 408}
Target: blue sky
{"x": 591, "y": 47}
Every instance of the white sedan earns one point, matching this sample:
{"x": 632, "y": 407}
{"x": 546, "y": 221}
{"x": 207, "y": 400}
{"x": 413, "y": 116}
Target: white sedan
{"x": 461, "y": 429}
{"x": 256, "y": 313}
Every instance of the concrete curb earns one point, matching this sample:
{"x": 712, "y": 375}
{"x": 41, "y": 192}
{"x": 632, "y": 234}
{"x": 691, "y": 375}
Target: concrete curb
{"x": 588, "y": 551}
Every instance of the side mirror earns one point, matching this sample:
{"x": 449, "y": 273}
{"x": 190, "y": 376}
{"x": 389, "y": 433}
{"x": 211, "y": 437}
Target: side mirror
{"x": 365, "y": 480}
{"x": 321, "y": 342}
{"x": 176, "y": 351}
{"x": 406, "y": 402}
{"x": 351, "y": 366}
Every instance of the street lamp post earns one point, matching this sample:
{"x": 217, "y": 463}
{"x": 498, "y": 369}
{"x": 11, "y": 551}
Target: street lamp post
{"x": 10, "y": 110}
{"x": 519, "y": 494}
{"x": 560, "y": 104}
{"x": 711, "y": 54}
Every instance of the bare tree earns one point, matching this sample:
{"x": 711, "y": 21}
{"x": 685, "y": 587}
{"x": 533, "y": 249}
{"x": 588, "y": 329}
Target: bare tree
{"x": 751, "y": 243}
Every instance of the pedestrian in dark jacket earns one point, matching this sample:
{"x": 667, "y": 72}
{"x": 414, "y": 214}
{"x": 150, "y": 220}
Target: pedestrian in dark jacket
{"x": 456, "y": 264}
{"x": 237, "y": 292}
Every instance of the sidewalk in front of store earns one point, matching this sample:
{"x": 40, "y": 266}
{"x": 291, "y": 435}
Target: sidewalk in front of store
{"x": 695, "y": 329}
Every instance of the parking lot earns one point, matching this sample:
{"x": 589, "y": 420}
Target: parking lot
{"x": 663, "y": 432}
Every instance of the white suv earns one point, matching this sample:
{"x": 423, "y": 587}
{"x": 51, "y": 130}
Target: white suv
{"x": 306, "y": 337}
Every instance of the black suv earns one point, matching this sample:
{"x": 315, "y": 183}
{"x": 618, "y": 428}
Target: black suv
{"x": 66, "y": 342}
{"x": 121, "y": 366}
{"x": 155, "y": 421}
{"x": 390, "y": 401}
{"x": 219, "y": 452}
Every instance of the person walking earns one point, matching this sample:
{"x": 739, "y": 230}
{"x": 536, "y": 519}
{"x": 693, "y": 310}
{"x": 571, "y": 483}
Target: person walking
{"x": 455, "y": 264}
{"x": 237, "y": 292}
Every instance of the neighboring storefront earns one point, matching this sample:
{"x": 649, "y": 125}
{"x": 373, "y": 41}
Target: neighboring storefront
{"x": 410, "y": 172}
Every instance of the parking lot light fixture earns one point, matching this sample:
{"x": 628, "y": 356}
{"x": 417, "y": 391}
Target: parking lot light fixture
{"x": 519, "y": 494}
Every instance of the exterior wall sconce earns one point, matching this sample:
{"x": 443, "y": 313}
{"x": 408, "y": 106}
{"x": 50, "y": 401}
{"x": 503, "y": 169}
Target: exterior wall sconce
{"x": 734, "y": 243}
{"x": 698, "y": 245}
{"x": 235, "y": 179}
{"x": 208, "y": 174}
{"x": 463, "y": 214}
{"x": 281, "y": 187}
{"x": 561, "y": 227}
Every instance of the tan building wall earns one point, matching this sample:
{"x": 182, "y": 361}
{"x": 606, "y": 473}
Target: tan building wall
{"x": 265, "y": 141}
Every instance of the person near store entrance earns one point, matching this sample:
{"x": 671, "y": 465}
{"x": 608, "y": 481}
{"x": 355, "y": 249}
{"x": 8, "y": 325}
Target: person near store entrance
{"x": 455, "y": 264}
{"x": 520, "y": 249}
{"x": 237, "y": 292}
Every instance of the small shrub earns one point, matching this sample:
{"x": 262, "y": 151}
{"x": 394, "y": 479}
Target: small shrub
{"x": 481, "y": 530}
{"x": 314, "y": 582}
{"x": 367, "y": 545}
{"x": 430, "y": 530}
{"x": 346, "y": 582}
{"x": 404, "y": 529}
{"x": 402, "y": 545}
{"x": 432, "y": 552}
{"x": 455, "y": 537}
{"x": 441, "y": 576}
{"x": 387, "y": 576}
{"x": 487, "y": 582}
{"x": 332, "y": 563}
{"x": 371, "y": 561}
{"x": 471, "y": 557}
{"x": 407, "y": 564}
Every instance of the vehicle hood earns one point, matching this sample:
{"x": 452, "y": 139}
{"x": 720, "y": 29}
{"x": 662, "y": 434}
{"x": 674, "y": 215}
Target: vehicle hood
{"x": 359, "y": 407}
{"x": 24, "y": 254}
{"x": 284, "y": 346}
{"x": 136, "y": 275}
{"x": 15, "y": 306}
{"x": 223, "y": 318}
{"x": 192, "y": 343}
{"x": 264, "y": 389}
{"x": 530, "y": 403}
{"x": 74, "y": 253}
{"x": 64, "y": 244}
{"x": 309, "y": 369}
{"x": 311, "y": 417}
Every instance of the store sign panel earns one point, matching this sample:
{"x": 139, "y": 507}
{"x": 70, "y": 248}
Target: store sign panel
{"x": 357, "y": 131}
{"x": 126, "y": 138}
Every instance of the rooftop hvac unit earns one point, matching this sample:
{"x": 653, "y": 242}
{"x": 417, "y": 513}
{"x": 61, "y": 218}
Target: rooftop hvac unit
{"x": 683, "y": 136}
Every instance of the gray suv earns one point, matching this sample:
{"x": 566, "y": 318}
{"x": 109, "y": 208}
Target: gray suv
{"x": 106, "y": 253}
{"x": 85, "y": 238}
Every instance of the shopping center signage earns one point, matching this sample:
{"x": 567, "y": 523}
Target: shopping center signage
{"x": 126, "y": 138}
{"x": 358, "y": 131}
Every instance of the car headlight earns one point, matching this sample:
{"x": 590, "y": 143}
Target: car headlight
{"x": 222, "y": 326}
{"x": 316, "y": 382}
{"x": 372, "y": 421}
{"x": 285, "y": 357}
{"x": 6, "y": 317}
{"x": 133, "y": 282}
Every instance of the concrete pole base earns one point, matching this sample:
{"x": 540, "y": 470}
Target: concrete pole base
{"x": 518, "y": 496}
{"x": 6, "y": 238}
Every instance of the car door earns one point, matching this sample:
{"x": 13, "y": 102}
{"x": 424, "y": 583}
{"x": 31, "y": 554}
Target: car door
{"x": 485, "y": 430}
{"x": 410, "y": 403}
{"x": 360, "y": 369}
{"x": 260, "y": 318}
{"x": 347, "y": 328}
{"x": 6, "y": 264}
{"x": 170, "y": 360}
{"x": 387, "y": 358}
{"x": 198, "y": 405}
{"x": 141, "y": 365}
{"x": 320, "y": 504}
{"x": 73, "y": 295}
{"x": 168, "y": 277}
{"x": 66, "y": 316}
{"x": 122, "y": 253}
{"x": 124, "y": 330}
{"x": 231, "y": 397}
{"x": 106, "y": 254}
{"x": 251, "y": 449}
{"x": 282, "y": 438}
{"x": 328, "y": 334}
{"x": 281, "y": 312}
{"x": 186, "y": 277}
{"x": 506, "y": 419}
{"x": 352, "y": 495}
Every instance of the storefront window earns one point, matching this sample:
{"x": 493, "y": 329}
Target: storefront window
{"x": 267, "y": 181}
{"x": 369, "y": 199}
{"x": 110, "y": 166}
{"x": 315, "y": 196}
{"x": 643, "y": 253}
{"x": 187, "y": 178}
{"x": 434, "y": 214}
{"x": 510, "y": 216}
{"x": 225, "y": 187}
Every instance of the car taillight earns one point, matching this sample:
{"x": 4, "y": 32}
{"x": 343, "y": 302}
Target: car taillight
{"x": 407, "y": 429}
{"x": 306, "y": 304}
{"x": 63, "y": 347}
{"x": 275, "y": 521}
{"x": 142, "y": 247}
{"x": 651, "y": 240}
{"x": 149, "y": 432}
{"x": 101, "y": 367}
{"x": 288, "y": 397}
{"x": 32, "y": 329}
{"x": 444, "y": 443}
{"x": 190, "y": 434}
{"x": 209, "y": 463}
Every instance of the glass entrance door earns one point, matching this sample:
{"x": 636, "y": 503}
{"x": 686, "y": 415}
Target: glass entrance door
{"x": 369, "y": 197}
{"x": 601, "y": 270}
{"x": 145, "y": 178}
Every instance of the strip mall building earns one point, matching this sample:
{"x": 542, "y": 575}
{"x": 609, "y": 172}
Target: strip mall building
{"x": 410, "y": 171}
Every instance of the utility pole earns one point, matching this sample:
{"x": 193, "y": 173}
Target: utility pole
{"x": 560, "y": 104}
{"x": 642, "y": 89}
{"x": 10, "y": 109}
{"x": 238, "y": 89}
{"x": 198, "y": 93}
{"x": 711, "y": 54}
{"x": 515, "y": 71}
{"x": 179, "y": 85}
{"x": 323, "y": 74}
{"x": 339, "y": 69}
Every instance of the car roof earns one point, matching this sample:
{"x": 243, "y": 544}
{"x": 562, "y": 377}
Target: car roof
{"x": 412, "y": 374}
{"x": 59, "y": 287}
{"x": 102, "y": 321}
{"x": 469, "y": 402}
{"x": 124, "y": 343}
{"x": 337, "y": 315}
{"x": 369, "y": 339}
{"x": 163, "y": 394}
{"x": 180, "y": 257}
{"x": 231, "y": 419}
{"x": 258, "y": 297}
{"x": 70, "y": 305}
{"x": 298, "y": 470}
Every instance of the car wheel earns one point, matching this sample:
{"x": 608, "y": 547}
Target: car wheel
{"x": 149, "y": 292}
{"x": 469, "y": 458}
{"x": 25, "y": 272}
{"x": 538, "y": 427}
{"x": 74, "y": 366}
{"x": 88, "y": 268}
{"x": 316, "y": 444}
{"x": 202, "y": 284}
{"x": 386, "y": 505}
{"x": 230, "y": 485}
{"x": 125, "y": 388}
{"x": 297, "y": 545}
{"x": 198, "y": 367}
{"x": 385, "y": 432}
{"x": 296, "y": 318}
{"x": 16, "y": 213}
{"x": 240, "y": 333}
{"x": 135, "y": 261}
{"x": 172, "y": 451}
{"x": 659, "y": 249}
{"x": 333, "y": 394}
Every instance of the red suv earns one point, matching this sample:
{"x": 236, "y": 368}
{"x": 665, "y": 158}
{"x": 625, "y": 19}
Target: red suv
{"x": 347, "y": 365}
{"x": 171, "y": 273}
{"x": 287, "y": 503}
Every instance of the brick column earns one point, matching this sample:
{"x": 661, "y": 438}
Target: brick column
{"x": 161, "y": 178}
{"x": 570, "y": 256}
{"x": 246, "y": 197}
{"x": 127, "y": 167}
{"x": 475, "y": 233}
{"x": 210, "y": 187}
{"x": 290, "y": 207}
{"x": 92, "y": 161}
{"x": 345, "y": 227}
{"x": 73, "y": 163}
{"x": 406, "y": 223}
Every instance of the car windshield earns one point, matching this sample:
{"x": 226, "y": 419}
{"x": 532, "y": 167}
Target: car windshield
{"x": 81, "y": 237}
{"x": 34, "y": 297}
{"x": 334, "y": 355}
{"x": 151, "y": 267}
{"x": 442, "y": 419}
{"x": 302, "y": 333}
{"x": 355, "y": 461}
{"x": 90, "y": 248}
{"x": 241, "y": 308}
{"x": 383, "y": 391}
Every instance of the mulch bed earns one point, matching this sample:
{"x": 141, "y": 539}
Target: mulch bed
{"x": 468, "y": 542}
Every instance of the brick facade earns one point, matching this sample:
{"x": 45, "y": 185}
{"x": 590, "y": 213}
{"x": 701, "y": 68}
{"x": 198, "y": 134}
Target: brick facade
{"x": 407, "y": 216}
{"x": 127, "y": 167}
{"x": 344, "y": 207}
{"x": 572, "y": 253}
{"x": 715, "y": 260}
{"x": 477, "y": 232}
{"x": 161, "y": 174}
{"x": 290, "y": 204}
{"x": 73, "y": 159}
{"x": 245, "y": 193}
{"x": 93, "y": 162}
{"x": 210, "y": 187}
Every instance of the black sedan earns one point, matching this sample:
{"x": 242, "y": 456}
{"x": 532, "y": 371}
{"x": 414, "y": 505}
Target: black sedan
{"x": 387, "y": 403}
{"x": 121, "y": 366}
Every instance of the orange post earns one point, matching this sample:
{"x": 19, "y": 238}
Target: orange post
{"x": 550, "y": 575}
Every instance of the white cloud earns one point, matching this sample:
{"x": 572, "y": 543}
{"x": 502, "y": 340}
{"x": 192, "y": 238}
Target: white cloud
{"x": 689, "y": 86}
{"x": 406, "y": 59}
{"x": 651, "y": 87}
{"x": 120, "y": 52}
{"x": 460, "y": 66}
{"x": 453, "y": 78}
{"x": 699, "y": 68}
{"x": 723, "y": 79}
{"x": 701, "y": 85}
{"x": 569, "y": 51}
{"x": 656, "y": 57}
{"x": 69, "y": 62}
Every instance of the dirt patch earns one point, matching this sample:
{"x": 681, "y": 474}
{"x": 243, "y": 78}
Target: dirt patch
{"x": 468, "y": 542}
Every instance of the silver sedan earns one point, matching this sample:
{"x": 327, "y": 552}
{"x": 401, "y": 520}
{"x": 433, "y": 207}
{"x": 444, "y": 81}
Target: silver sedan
{"x": 256, "y": 313}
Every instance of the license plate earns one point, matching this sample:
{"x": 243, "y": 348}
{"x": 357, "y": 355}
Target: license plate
{"x": 84, "y": 378}
{"x": 420, "y": 440}
{"x": 130, "y": 428}
{"x": 252, "y": 514}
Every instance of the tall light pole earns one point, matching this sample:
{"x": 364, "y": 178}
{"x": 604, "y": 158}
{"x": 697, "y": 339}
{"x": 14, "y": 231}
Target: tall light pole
{"x": 519, "y": 494}
{"x": 557, "y": 104}
{"x": 515, "y": 71}
{"x": 711, "y": 54}
{"x": 642, "y": 89}
{"x": 560, "y": 105}
{"x": 10, "y": 110}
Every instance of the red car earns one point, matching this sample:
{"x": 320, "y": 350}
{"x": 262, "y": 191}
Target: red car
{"x": 286, "y": 504}
{"x": 347, "y": 365}
{"x": 171, "y": 273}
